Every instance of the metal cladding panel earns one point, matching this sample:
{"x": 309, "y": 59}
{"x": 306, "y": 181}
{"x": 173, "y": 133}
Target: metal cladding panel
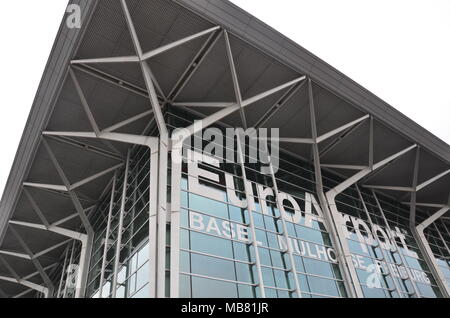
{"x": 55, "y": 71}
{"x": 272, "y": 42}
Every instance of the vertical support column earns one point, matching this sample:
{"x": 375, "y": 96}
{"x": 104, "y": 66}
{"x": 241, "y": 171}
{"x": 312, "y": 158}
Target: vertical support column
{"x": 153, "y": 219}
{"x": 162, "y": 216}
{"x": 175, "y": 207}
{"x": 445, "y": 227}
{"x": 378, "y": 241}
{"x": 402, "y": 257}
{"x": 163, "y": 155}
{"x": 431, "y": 261}
{"x": 285, "y": 231}
{"x": 248, "y": 194}
{"x": 331, "y": 214}
{"x": 419, "y": 236}
{"x": 70, "y": 262}
{"x": 442, "y": 238}
{"x": 62, "y": 272}
{"x": 412, "y": 206}
{"x": 83, "y": 268}
{"x": 120, "y": 228}
{"x": 108, "y": 229}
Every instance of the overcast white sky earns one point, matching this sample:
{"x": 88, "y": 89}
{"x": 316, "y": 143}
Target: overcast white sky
{"x": 399, "y": 50}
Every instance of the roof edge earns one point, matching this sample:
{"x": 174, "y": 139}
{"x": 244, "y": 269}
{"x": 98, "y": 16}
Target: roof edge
{"x": 66, "y": 42}
{"x": 274, "y": 43}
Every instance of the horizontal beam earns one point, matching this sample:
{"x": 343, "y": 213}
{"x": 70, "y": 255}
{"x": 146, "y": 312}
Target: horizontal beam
{"x": 26, "y": 283}
{"x": 94, "y": 177}
{"x": 172, "y": 45}
{"x": 308, "y": 141}
{"x": 204, "y": 104}
{"x": 361, "y": 174}
{"x": 87, "y": 147}
{"x": 103, "y": 60}
{"x": 128, "y": 121}
{"x": 125, "y": 138}
{"x": 347, "y": 167}
{"x": 48, "y": 250}
{"x": 433, "y": 218}
{"x": 55, "y": 187}
{"x": 428, "y": 205}
{"x": 430, "y": 181}
{"x": 340, "y": 129}
{"x": 54, "y": 229}
{"x": 393, "y": 188}
{"x": 15, "y": 254}
{"x": 179, "y": 136}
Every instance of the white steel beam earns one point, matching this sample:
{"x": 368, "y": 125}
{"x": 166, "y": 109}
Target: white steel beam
{"x": 248, "y": 194}
{"x": 279, "y": 105}
{"x": 36, "y": 208}
{"x": 16, "y": 254}
{"x": 428, "y": 205}
{"x": 48, "y": 282}
{"x": 28, "y": 284}
{"x": 55, "y": 187}
{"x": 194, "y": 65}
{"x": 94, "y": 177}
{"x": 103, "y": 60}
{"x": 128, "y": 121}
{"x": 107, "y": 234}
{"x": 433, "y": 218}
{"x": 120, "y": 227}
{"x": 84, "y": 102}
{"x": 83, "y": 238}
{"x": 178, "y": 137}
{"x": 153, "y": 144}
{"x": 55, "y": 229}
{"x": 48, "y": 250}
{"x": 377, "y": 237}
{"x": 341, "y": 129}
{"x": 339, "y": 139}
{"x": 111, "y": 79}
{"x": 358, "y": 176}
{"x": 431, "y": 260}
{"x": 431, "y": 180}
{"x": 156, "y": 107}
{"x": 347, "y": 167}
{"x": 172, "y": 45}
{"x": 234, "y": 77}
{"x": 331, "y": 215}
{"x": 9, "y": 268}
{"x": 279, "y": 203}
{"x": 204, "y": 104}
{"x": 58, "y": 295}
{"x": 392, "y": 188}
{"x": 37, "y": 273}
{"x": 219, "y": 115}
{"x": 394, "y": 242}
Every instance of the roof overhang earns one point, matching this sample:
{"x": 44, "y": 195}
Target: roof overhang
{"x": 264, "y": 59}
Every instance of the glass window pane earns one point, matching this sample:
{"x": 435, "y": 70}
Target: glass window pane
{"x": 209, "y": 288}
{"x": 213, "y": 267}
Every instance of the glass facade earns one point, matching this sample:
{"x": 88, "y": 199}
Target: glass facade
{"x": 133, "y": 271}
{"x": 219, "y": 256}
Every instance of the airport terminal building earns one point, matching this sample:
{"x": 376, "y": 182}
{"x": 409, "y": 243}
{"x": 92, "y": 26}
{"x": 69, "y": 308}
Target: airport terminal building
{"x": 120, "y": 188}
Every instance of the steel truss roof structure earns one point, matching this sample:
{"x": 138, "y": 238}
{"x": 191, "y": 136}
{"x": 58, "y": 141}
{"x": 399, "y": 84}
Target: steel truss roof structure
{"x": 107, "y": 84}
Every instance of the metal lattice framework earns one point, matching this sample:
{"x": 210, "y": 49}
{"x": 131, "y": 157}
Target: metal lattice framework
{"x": 160, "y": 213}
